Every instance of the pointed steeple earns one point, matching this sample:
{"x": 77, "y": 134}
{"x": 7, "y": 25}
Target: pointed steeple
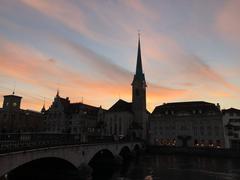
{"x": 139, "y": 75}
{"x": 57, "y": 95}
{"x": 139, "y": 58}
{"x": 43, "y": 110}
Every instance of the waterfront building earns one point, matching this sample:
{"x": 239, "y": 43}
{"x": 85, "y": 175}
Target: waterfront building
{"x": 231, "y": 122}
{"x": 13, "y": 119}
{"x": 72, "y": 118}
{"x": 130, "y": 119}
{"x": 187, "y": 124}
{"x": 118, "y": 119}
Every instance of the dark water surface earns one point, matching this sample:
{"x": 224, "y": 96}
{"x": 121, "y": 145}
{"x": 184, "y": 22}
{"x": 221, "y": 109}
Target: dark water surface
{"x": 156, "y": 167}
{"x": 176, "y": 167}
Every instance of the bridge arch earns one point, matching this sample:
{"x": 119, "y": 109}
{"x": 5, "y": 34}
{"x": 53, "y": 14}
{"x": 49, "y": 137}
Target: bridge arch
{"x": 44, "y": 168}
{"x": 125, "y": 152}
{"x": 102, "y": 164}
{"x": 136, "y": 148}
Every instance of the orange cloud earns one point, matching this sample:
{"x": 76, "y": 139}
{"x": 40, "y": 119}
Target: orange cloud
{"x": 26, "y": 65}
{"x": 165, "y": 61}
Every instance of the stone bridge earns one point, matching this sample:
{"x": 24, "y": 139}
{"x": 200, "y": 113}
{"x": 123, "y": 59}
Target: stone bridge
{"x": 73, "y": 154}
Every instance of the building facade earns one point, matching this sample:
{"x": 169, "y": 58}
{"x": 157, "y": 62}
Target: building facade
{"x": 231, "y": 122}
{"x": 187, "y": 124}
{"x": 73, "y": 118}
{"x": 13, "y": 119}
{"x": 118, "y": 119}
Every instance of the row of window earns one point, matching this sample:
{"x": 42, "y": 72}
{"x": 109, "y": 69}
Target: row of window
{"x": 165, "y": 142}
{"x": 193, "y": 112}
{"x": 207, "y": 143}
{"x": 202, "y": 131}
{"x": 197, "y": 143}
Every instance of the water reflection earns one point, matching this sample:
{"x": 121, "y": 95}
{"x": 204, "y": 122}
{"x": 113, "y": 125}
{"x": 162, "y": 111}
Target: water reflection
{"x": 148, "y": 167}
{"x": 172, "y": 167}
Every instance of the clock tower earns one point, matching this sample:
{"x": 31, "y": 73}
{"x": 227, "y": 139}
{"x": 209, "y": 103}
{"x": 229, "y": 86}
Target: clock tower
{"x": 139, "y": 97}
{"x": 12, "y": 102}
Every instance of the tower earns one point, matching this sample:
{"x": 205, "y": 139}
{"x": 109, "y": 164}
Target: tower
{"x": 139, "y": 96}
{"x": 12, "y": 102}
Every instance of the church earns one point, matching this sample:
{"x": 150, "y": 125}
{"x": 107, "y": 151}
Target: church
{"x": 130, "y": 119}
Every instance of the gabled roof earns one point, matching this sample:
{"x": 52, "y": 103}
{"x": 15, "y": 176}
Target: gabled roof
{"x": 186, "y": 107}
{"x": 231, "y": 110}
{"x": 88, "y": 109}
{"x": 121, "y": 106}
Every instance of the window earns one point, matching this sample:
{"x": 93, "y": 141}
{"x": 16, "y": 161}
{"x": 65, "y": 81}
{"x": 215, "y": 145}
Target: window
{"x": 210, "y": 143}
{"x": 218, "y": 143}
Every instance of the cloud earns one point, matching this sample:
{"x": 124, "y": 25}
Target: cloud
{"x": 227, "y": 21}
{"x": 201, "y": 72}
{"x": 112, "y": 24}
{"x": 70, "y": 15}
{"x": 28, "y": 66}
{"x": 97, "y": 62}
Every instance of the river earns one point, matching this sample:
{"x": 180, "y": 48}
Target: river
{"x": 156, "y": 167}
{"x": 176, "y": 167}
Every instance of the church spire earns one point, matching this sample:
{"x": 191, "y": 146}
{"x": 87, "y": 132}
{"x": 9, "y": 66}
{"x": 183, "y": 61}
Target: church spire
{"x": 139, "y": 70}
{"x": 57, "y": 95}
{"x": 139, "y": 75}
{"x": 43, "y": 110}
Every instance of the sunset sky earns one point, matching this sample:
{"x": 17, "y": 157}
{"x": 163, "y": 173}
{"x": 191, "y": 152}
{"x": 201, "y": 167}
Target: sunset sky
{"x": 87, "y": 49}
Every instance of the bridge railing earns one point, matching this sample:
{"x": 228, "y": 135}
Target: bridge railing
{"x": 27, "y": 141}
{"x": 16, "y": 142}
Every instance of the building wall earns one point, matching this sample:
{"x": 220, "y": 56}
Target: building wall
{"x": 18, "y": 121}
{"x": 56, "y": 120}
{"x": 195, "y": 130}
{"x": 118, "y": 123}
{"x": 231, "y": 122}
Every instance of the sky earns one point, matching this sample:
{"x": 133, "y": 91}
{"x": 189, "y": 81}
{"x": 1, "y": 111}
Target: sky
{"x": 88, "y": 50}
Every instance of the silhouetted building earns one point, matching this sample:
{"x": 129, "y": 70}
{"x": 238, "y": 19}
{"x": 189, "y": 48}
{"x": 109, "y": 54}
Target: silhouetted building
{"x": 126, "y": 118}
{"x": 13, "y": 119}
{"x": 119, "y": 118}
{"x": 187, "y": 124}
{"x": 75, "y": 118}
{"x": 231, "y": 122}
